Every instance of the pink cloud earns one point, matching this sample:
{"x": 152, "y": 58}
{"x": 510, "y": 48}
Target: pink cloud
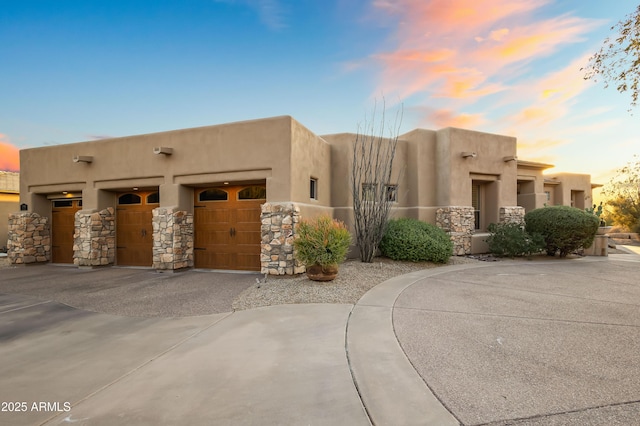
{"x": 461, "y": 49}
{"x": 9, "y": 155}
{"x": 440, "y": 118}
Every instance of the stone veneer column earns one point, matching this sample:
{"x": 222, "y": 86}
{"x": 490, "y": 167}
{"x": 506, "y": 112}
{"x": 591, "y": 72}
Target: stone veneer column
{"x": 94, "y": 241}
{"x": 513, "y": 214}
{"x": 172, "y": 239}
{"x": 458, "y": 222}
{"x": 279, "y": 223}
{"x": 29, "y": 238}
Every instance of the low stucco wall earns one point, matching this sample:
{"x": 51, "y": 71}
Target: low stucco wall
{"x": 9, "y": 203}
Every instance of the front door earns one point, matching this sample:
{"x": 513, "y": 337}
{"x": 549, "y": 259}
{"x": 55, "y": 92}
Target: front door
{"x": 227, "y": 227}
{"x": 134, "y": 230}
{"x": 62, "y": 229}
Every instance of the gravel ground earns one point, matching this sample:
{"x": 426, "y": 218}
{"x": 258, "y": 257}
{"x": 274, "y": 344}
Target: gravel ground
{"x": 354, "y": 280}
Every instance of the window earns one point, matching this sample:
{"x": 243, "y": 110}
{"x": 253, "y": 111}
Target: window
{"x": 313, "y": 188}
{"x": 369, "y": 191}
{"x": 392, "y": 193}
{"x": 153, "y": 198}
{"x": 548, "y": 194}
{"x": 475, "y": 202}
{"x": 62, "y": 203}
{"x": 213, "y": 194}
{"x": 253, "y": 193}
{"x": 129, "y": 199}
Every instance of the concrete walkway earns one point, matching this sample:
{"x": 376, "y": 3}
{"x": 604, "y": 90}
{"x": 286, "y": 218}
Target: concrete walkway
{"x": 522, "y": 343}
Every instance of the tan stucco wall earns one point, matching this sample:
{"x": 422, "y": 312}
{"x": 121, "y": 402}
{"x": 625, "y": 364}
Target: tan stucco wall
{"x": 568, "y": 182}
{"x": 246, "y": 151}
{"x": 490, "y": 150}
{"x": 341, "y": 146}
{"x": 532, "y": 189}
{"x": 310, "y": 158}
{"x": 9, "y": 203}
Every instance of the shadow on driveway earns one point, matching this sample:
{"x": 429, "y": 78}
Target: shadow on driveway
{"x": 129, "y": 291}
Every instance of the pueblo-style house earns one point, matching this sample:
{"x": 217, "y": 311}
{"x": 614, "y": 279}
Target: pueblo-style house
{"x": 229, "y": 196}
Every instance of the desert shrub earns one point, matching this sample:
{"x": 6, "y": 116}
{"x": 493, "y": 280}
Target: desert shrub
{"x": 416, "y": 241}
{"x": 323, "y": 241}
{"x": 563, "y": 228}
{"x": 512, "y": 240}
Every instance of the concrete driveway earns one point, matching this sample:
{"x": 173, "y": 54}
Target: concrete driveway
{"x": 520, "y": 343}
{"x": 137, "y": 292}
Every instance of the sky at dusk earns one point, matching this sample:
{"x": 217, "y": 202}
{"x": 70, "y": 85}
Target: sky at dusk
{"x": 73, "y": 71}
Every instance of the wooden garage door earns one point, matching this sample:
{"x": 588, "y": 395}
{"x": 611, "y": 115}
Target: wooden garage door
{"x": 134, "y": 230}
{"x": 227, "y": 227}
{"x": 62, "y": 229}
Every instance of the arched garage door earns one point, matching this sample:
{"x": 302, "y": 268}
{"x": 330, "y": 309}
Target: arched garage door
{"x": 134, "y": 229}
{"x": 62, "y": 229}
{"x": 227, "y": 227}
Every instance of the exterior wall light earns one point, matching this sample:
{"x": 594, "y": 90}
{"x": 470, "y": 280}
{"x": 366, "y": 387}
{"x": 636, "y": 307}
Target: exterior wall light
{"x": 467, "y": 154}
{"x": 82, "y": 159}
{"x": 509, "y": 158}
{"x": 162, "y": 150}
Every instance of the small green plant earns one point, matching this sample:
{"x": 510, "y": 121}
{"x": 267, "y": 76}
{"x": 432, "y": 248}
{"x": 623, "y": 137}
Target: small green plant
{"x": 512, "y": 240}
{"x": 322, "y": 241}
{"x": 416, "y": 241}
{"x": 563, "y": 228}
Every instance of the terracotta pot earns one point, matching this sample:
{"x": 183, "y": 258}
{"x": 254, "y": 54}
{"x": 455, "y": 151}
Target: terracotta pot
{"x": 322, "y": 273}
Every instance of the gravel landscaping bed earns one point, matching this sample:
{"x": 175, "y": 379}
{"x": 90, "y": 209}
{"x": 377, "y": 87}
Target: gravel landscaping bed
{"x": 354, "y": 280}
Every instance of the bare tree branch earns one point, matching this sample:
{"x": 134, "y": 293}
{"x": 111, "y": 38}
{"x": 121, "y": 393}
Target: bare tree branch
{"x": 372, "y": 187}
{"x": 618, "y": 60}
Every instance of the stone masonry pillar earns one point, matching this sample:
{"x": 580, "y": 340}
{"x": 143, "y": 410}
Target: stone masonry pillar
{"x": 94, "y": 240}
{"x": 172, "y": 239}
{"x": 458, "y": 222}
{"x": 279, "y": 224}
{"x": 29, "y": 239}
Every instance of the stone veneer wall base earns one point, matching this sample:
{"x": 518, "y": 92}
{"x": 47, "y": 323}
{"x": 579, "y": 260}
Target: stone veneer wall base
{"x": 512, "y": 214}
{"x": 94, "y": 240}
{"x": 459, "y": 223}
{"x": 278, "y": 229}
{"x": 29, "y": 239}
{"x": 172, "y": 239}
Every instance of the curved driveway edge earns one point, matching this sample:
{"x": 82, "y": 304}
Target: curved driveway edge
{"x": 512, "y": 342}
{"x": 390, "y": 388}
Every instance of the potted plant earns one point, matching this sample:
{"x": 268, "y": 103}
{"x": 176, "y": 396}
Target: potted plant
{"x": 597, "y": 210}
{"x": 321, "y": 244}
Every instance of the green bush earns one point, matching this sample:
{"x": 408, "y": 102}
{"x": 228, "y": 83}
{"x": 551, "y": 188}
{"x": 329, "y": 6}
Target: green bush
{"x": 323, "y": 241}
{"x": 563, "y": 228}
{"x": 512, "y": 240}
{"x": 416, "y": 241}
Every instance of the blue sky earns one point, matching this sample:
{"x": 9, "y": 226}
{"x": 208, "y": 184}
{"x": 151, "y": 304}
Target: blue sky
{"x": 80, "y": 70}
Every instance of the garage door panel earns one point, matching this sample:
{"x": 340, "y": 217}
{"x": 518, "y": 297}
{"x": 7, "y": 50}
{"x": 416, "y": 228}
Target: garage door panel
{"x": 216, "y": 217}
{"x": 248, "y": 238}
{"x": 212, "y": 238}
{"x": 62, "y": 230}
{"x": 248, "y": 262}
{"x": 250, "y": 215}
{"x": 134, "y": 231}
{"x": 208, "y": 258}
{"x": 227, "y": 232}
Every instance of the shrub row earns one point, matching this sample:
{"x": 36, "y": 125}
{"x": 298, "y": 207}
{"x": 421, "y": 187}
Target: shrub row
{"x": 557, "y": 230}
{"x": 416, "y": 241}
